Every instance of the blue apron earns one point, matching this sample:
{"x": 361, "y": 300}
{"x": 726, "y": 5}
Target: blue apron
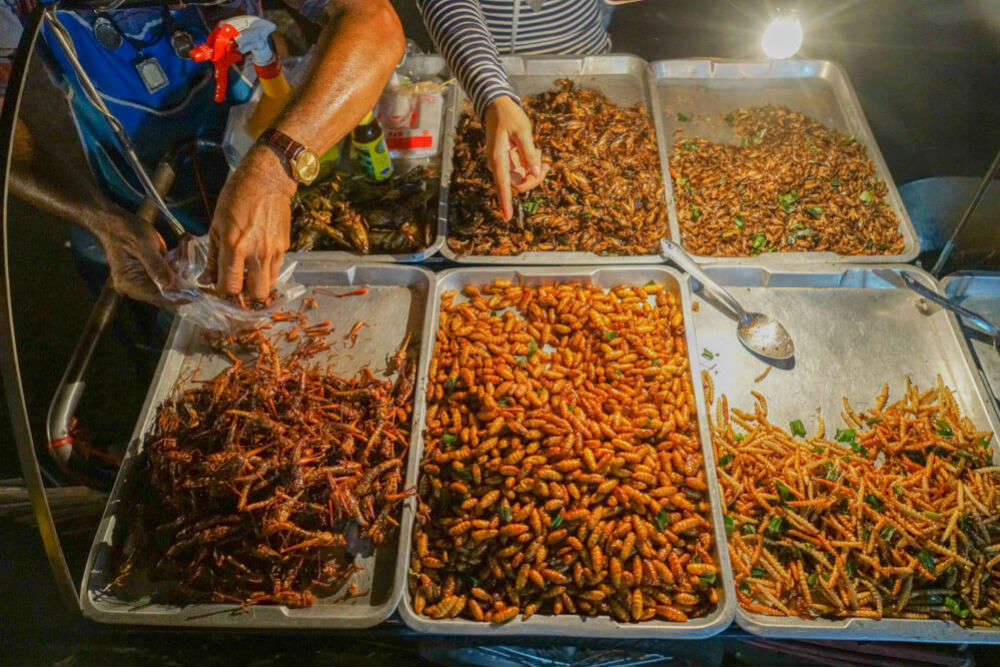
{"x": 183, "y": 109}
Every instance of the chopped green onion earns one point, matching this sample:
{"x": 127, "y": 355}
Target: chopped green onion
{"x": 775, "y": 525}
{"x": 758, "y": 572}
{"x": 662, "y": 519}
{"x": 556, "y": 521}
{"x": 695, "y": 212}
{"x": 689, "y": 146}
{"x": 788, "y": 199}
{"x": 873, "y": 501}
{"x": 812, "y": 579}
{"x": 730, "y": 525}
{"x": 504, "y": 513}
{"x": 943, "y": 428}
{"x": 814, "y": 211}
{"x": 783, "y": 491}
{"x": 748, "y": 529}
{"x": 866, "y": 196}
{"x": 449, "y": 439}
{"x": 844, "y": 435}
{"x": 725, "y": 460}
{"x": 683, "y": 117}
{"x": 759, "y": 241}
{"x": 530, "y": 206}
{"x": 955, "y": 608}
{"x": 611, "y": 335}
{"x": 834, "y": 183}
{"x": 532, "y": 347}
{"x": 926, "y": 560}
{"x": 707, "y": 354}
{"x": 707, "y": 578}
{"x": 798, "y": 428}
{"x": 888, "y": 532}
{"x": 450, "y": 384}
{"x": 898, "y": 489}
{"x": 874, "y": 420}
{"x": 738, "y": 221}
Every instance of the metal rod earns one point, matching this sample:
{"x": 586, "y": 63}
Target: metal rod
{"x": 61, "y": 36}
{"x": 950, "y": 245}
{"x": 11, "y": 372}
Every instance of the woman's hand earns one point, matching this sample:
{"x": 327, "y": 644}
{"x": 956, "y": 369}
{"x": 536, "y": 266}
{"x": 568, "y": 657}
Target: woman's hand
{"x": 252, "y": 226}
{"x": 510, "y": 151}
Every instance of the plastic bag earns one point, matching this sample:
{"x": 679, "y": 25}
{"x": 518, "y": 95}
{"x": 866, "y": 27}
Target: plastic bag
{"x": 197, "y": 301}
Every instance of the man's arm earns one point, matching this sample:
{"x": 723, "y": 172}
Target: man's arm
{"x": 134, "y": 249}
{"x": 460, "y": 33}
{"x": 361, "y": 43}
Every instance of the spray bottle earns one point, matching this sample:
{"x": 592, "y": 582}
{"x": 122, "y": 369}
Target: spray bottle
{"x": 249, "y": 36}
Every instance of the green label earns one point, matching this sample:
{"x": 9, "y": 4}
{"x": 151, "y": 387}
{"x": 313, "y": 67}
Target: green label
{"x": 375, "y": 159}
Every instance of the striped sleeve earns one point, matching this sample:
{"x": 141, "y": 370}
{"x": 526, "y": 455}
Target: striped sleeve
{"x": 461, "y": 35}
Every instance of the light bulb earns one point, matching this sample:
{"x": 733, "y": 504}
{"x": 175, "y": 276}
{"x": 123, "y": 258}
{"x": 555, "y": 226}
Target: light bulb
{"x": 782, "y": 38}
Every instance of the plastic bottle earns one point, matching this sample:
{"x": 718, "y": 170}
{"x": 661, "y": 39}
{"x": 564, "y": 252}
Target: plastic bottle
{"x": 275, "y": 95}
{"x": 369, "y": 142}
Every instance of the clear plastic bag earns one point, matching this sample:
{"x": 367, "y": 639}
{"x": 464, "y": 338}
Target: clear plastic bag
{"x": 197, "y": 301}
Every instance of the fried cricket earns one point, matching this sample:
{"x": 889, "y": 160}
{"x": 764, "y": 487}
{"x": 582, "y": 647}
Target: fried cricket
{"x": 604, "y": 193}
{"x": 261, "y": 484}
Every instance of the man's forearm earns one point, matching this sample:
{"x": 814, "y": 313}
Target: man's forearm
{"x": 66, "y": 194}
{"x": 361, "y": 43}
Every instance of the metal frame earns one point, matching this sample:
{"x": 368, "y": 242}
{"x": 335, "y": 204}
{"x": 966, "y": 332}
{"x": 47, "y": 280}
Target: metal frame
{"x": 8, "y": 343}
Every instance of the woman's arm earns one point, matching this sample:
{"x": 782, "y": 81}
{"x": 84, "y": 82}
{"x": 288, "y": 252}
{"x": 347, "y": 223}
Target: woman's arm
{"x": 460, "y": 33}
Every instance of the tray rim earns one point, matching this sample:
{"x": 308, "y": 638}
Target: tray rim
{"x": 852, "y": 112}
{"x": 855, "y": 629}
{"x": 222, "y": 616}
{"x": 570, "y": 625}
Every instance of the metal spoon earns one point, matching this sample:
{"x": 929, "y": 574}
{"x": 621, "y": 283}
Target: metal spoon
{"x": 758, "y": 332}
{"x": 904, "y": 279}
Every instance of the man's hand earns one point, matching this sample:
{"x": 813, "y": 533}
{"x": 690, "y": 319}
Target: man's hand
{"x": 136, "y": 256}
{"x": 251, "y": 227}
{"x": 510, "y": 151}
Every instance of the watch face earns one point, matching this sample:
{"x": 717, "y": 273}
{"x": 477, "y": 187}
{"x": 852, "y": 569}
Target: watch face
{"x": 306, "y": 166}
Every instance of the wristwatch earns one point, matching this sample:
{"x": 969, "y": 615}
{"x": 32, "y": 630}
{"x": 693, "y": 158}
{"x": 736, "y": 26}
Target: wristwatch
{"x": 300, "y": 162}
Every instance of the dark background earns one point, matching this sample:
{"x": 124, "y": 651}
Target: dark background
{"x": 927, "y": 75}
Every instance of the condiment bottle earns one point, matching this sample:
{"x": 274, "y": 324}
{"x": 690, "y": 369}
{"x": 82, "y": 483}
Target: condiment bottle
{"x": 369, "y": 142}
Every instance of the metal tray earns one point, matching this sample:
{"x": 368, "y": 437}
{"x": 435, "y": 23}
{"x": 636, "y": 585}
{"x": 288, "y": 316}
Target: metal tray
{"x": 566, "y": 625}
{"x": 427, "y": 66}
{"x": 853, "y": 331}
{"x": 623, "y": 78}
{"x": 979, "y": 291}
{"x": 395, "y": 303}
{"x": 707, "y": 90}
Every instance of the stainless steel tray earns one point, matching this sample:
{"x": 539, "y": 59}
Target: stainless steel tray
{"x": 853, "y": 331}
{"x": 707, "y": 90}
{"x": 395, "y": 304}
{"x": 623, "y": 78}
{"x": 428, "y": 66}
{"x": 575, "y": 626}
{"x": 979, "y": 291}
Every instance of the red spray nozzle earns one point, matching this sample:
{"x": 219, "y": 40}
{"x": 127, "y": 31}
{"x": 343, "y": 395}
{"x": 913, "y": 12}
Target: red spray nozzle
{"x": 221, "y": 49}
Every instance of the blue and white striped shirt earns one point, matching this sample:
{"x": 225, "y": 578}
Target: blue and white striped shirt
{"x": 470, "y": 34}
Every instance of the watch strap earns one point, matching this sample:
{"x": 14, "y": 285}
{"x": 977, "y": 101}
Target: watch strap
{"x": 283, "y": 144}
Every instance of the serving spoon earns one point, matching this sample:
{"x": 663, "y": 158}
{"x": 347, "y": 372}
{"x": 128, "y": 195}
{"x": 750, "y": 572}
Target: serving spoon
{"x": 759, "y": 333}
